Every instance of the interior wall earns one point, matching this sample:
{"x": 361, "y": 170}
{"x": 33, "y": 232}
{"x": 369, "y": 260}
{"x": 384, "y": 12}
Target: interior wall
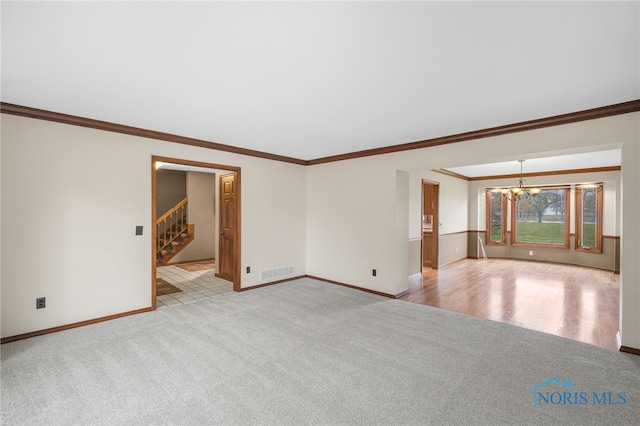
{"x": 201, "y": 192}
{"x": 607, "y": 259}
{"x": 336, "y": 220}
{"x": 171, "y": 188}
{"x": 402, "y": 223}
{"x": 453, "y": 247}
{"x": 452, "y": 212}
{"x": 274, "y": 198}
{"x": 611, "y": 200}
{"x": 414, "y": 263}
{"x": 351, "y": 224}
{"x": 348, "y": 202}
{"x": 630, "y": 238}
{"x": 68, "y": 221}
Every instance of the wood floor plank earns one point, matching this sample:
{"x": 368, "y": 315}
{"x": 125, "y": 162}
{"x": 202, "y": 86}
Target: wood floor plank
{"x": 575, "y": 302}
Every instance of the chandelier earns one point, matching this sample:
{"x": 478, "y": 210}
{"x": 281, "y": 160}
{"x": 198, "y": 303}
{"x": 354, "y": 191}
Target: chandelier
{"x": 519, "y": 192}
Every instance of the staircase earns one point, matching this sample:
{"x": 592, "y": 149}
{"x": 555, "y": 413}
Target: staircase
{"x": 173, "y": 233}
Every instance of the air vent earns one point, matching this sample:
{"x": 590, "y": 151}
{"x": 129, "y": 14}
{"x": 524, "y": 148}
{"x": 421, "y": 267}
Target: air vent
{"x": 283, "y": 271}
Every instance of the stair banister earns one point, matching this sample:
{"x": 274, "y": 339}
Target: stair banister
{"x": 171, "y": 225}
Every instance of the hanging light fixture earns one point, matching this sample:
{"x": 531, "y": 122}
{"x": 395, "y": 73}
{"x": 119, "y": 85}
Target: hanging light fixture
{"x": 519, "y": 192}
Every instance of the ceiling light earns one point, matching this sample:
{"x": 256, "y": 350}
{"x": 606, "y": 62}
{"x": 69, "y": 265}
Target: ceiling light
{"x": 520, "y": 192}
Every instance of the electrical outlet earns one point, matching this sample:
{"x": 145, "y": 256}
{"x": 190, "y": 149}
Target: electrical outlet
{"x": 530, "y": 252}
{"x": 374, "y": 272}
{"x": 41, "y": 302}
{"x": 138, "y": 230}
{"x": 248, "y": 269}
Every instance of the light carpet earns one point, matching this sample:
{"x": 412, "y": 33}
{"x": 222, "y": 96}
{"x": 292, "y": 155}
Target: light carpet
{"x": 308, "y": 352}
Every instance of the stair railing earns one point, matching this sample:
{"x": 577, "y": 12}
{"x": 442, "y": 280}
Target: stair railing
{"x": 171, "y": 225}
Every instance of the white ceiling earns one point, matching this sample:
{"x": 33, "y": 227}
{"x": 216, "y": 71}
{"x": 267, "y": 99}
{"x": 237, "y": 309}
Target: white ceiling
{"x": 314, "y": 79}
{"x": 585, "y": 160}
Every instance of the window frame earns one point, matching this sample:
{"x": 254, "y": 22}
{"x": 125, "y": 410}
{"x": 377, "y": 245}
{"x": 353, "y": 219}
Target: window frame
{"x": 567, "y": 222}
{"x": 488, "y": 204}
{"x": 599, "y": 217}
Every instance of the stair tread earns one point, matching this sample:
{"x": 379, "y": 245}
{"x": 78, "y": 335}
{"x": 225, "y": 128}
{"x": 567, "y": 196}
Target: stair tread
{"x": 175, "y": 246}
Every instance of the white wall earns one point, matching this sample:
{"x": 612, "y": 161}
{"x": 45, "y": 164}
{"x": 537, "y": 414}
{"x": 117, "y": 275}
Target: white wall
{"x": 611, "y": 181}
{"x": 452, "y": 211}
{"x": 351, "y": 224}
{"x": 630, "y": 238}
{"x": 452, "y": 208}
{"x": 351, "y": 221}
{"x": 340, "y": 219}
{"x": 608, "y": 258}
{"x": 274, "y": 218}
{"x": 72, "y": 197}
{"x": 201, "y": 192}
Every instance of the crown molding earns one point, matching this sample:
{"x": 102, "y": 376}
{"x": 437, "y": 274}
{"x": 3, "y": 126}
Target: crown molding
{"x": 574, "y": 117}
{"x": 452, "y": 174}
{"x": 23, "y": 111}
{"x": 549, "y": 173}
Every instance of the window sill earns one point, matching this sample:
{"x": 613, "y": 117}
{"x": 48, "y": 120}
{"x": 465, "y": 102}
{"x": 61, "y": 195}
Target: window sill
{"x": 553, "y": 246}
{"x": 589, "y": 250}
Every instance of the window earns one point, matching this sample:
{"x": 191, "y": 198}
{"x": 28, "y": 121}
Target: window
{"x": 496, "y": 218}
{"x": 589, "y": 218}
{"x": 544, "y": 221}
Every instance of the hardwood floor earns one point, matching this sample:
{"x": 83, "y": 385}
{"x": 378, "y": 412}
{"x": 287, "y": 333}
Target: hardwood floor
{"x": 575, "y": 302}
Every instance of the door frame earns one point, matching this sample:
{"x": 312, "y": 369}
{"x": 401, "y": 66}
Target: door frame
{"x": 183, "y": 162}
{"x": 436, "y": 222}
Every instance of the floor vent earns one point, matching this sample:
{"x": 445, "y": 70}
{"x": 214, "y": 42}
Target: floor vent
{"x": 269, "y": 274}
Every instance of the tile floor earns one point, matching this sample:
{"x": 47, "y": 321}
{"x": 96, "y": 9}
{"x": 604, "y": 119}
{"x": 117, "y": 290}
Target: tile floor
{"x": 195, "y": 286}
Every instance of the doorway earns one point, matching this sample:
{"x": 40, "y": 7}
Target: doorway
{"x": 430, "y": 224}
{"x": 225, "y": 216}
